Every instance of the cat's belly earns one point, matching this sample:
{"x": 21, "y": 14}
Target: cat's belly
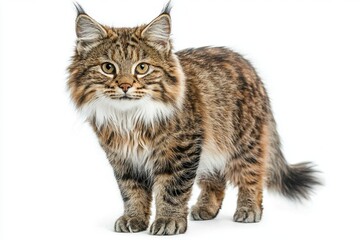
{"x": 140, "y": 156}
{"x": 212, "y": 160}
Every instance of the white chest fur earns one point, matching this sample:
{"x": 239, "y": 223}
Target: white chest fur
{"x": 125, "y": 113}
{"x": 137, "y": 155}
{"x": 124, "y": 116}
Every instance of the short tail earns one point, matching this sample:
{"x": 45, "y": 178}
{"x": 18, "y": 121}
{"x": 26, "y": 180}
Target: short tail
{"x": 295, "y": 181}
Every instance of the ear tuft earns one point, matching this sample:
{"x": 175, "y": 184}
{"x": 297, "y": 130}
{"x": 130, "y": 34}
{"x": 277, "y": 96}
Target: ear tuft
{"x": 79, "y": 9}
{"x": 167, "y": 8}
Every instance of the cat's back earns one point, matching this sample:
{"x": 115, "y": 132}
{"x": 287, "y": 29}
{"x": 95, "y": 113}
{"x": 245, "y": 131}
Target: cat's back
{"x": 216, "y": 64}
{"x": 230, "y": 92}
{"x": 220, "y": 73}
{"x": 222, "y": 79}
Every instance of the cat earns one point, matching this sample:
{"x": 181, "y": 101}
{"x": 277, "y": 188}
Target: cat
{"x": 168, "y": 119}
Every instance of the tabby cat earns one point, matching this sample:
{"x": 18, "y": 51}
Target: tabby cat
{"x": 167, "y": 119}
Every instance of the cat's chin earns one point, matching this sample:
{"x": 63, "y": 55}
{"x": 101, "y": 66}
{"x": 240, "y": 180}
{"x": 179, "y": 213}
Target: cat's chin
{"x": 119, "y": 105}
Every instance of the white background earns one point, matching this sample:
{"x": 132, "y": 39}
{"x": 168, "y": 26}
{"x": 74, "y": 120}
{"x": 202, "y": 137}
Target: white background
{"x": 55, "y": 181}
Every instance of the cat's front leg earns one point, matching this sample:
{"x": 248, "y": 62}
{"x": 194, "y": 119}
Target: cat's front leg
{"x": 136, "y": 193}
{"x": 172, "y": 189}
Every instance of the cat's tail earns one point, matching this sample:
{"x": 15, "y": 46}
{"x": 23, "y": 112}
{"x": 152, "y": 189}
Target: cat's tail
{"x": 294, "y": 181}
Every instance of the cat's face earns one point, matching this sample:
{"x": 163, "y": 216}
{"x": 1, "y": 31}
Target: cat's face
{"x": 122, "y": 71}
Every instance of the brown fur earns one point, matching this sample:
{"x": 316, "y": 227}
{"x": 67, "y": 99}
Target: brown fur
{"x": 211, "y": 197}
{"x": 201, "y": 112}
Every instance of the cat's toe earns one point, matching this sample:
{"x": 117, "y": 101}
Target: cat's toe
{"x": 130, "y": 224}
{"x": 201, "y": 213}
{"x": 247, "y": 215}
{"x": 168, "y": 226}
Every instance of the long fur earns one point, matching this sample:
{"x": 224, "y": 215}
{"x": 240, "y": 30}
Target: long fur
{"x": 296, "y": 181}
{"x": 198, "y": 115}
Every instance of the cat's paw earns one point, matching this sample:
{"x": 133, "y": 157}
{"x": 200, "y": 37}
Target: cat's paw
{"x": 202, "y": 213}
{"x": 247, "y": 215}
{"x": 130, "y": 224}
{"x": 168, "y": 226}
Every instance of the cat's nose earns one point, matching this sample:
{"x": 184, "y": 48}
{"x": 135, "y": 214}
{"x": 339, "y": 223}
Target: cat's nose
{"x": 125, "y": 86}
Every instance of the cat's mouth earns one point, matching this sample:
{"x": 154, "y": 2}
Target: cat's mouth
{"x": 126, "y": 97}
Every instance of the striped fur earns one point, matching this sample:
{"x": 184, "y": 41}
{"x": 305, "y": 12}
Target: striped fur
{"x": 195, "y": 114}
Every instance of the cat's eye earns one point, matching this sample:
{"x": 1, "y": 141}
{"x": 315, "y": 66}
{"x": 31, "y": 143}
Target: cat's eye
{"x": 108, "y": 68}
{"x": 142, "y": 68}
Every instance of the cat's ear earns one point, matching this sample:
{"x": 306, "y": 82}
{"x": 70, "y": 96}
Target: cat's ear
{"x": 88, "y": 31}
{"x": 157, "y": 32}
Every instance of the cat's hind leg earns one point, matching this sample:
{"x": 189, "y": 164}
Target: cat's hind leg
{"x": 249, "y": 180}
{"x": 247, "y": 171}
{"x": 211, "y": 196}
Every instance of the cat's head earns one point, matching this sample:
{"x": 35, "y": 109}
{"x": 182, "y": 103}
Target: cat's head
{"x": 122, "y": 73}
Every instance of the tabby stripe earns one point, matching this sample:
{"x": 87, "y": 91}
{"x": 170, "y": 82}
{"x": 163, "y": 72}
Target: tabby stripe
{"x": 112, "y": 54}
{"x": 134, "y": 39}
{"x": 253, "y": 174}
{"x": 143, "y": 180}
{"x": 110, "y": 91}
{"x": 124, "y": 196}
{"x": 164, "y": 95}
{"x": 177, "y": 192}
{"x": 132, "y": 45}
{"x": 170, "y": 201}
{"x": 122, "y": 52}
{"x": 117, "y": 175}
{"x": 192, "y": 156}
{"x": 85, "y": 96}
{"x": 135, "y": 55}
{"x": 189, "y": 164}
{"x": 173, "y": 79}
{"x": 251, "y": 160}
{"x": 129, "y": 51}
{"x": 80, "y": 75}
{"x": 151, "y": 78}
{"x": 86, "y": 88}
{"x": 186, "y": 176}
{"x": 153, "y": 83}
{"x": 251, "y": 182}
{"x": 195, "y": 152}
{"x": 183, "y": 149}
{"x": 186, "y": 162}
{"x": 110, "y": 138}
